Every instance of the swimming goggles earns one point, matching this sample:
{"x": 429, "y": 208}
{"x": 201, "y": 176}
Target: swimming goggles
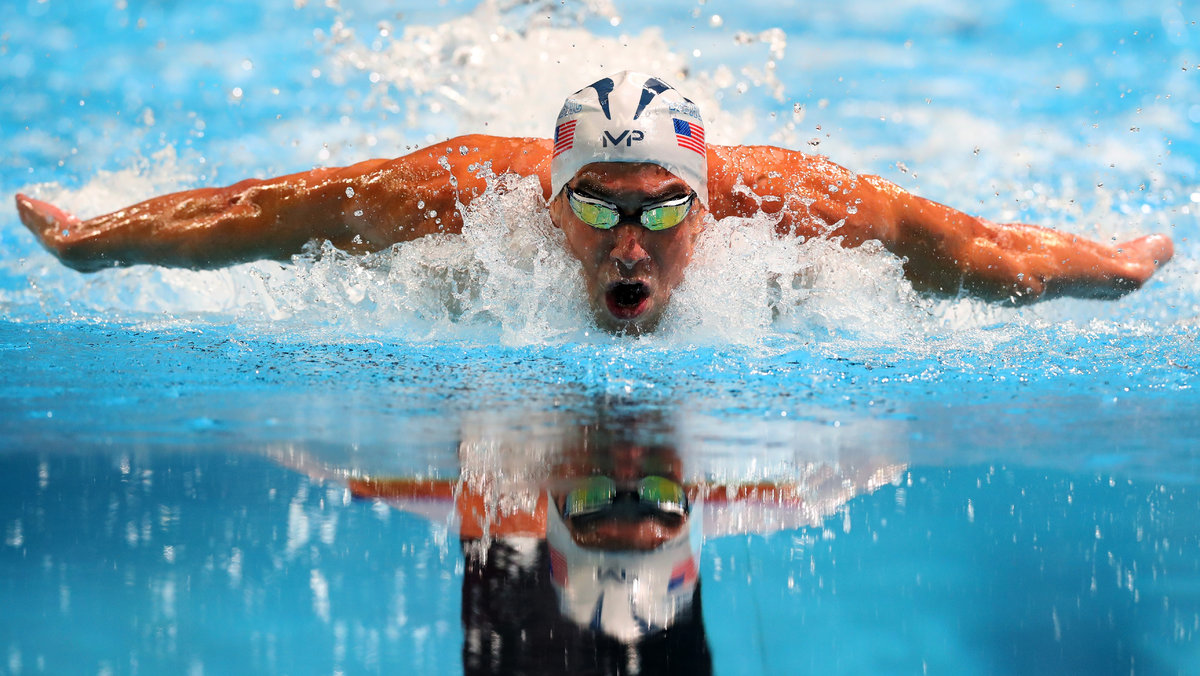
{"x": 604, "y": 215}
{"x": 652, "y": 495}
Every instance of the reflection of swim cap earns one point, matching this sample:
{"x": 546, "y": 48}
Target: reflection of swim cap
{"x": 630, "y": 117}
{"x": 624, "y": 594}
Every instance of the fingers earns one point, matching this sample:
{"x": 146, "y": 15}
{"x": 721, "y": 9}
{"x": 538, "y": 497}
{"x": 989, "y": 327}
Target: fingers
{"x": 1129, "y": 266}
{"x": 1153, "y": 249}
{"x": 45, "y": 220}
{"x": 58, "y": 231}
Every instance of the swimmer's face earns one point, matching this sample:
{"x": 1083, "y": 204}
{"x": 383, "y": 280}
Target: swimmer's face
{"x": 630, "y": 271}
{"x": 625, "y": 464}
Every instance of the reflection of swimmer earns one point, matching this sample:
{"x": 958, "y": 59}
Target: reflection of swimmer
{"x": 630, "y": 181}
{"x": 602, "y": 574}
{"x": 588, "y": 570}
{"x": 582, "y": 549}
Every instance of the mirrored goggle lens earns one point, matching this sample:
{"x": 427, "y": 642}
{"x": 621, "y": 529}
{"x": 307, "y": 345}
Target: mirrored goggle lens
{"x": 596, "y": 494}
{"x": 664, "y": 494}
{"x": 591, "y": 495}
{"x": 593, "y": 213}
{"x": 667, "y": 215}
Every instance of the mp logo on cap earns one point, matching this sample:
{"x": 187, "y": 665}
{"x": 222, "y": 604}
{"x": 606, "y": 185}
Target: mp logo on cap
{"x": 628, "y": 136}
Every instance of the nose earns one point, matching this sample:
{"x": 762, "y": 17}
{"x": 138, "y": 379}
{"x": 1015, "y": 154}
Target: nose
{"x": 628, "y": 250}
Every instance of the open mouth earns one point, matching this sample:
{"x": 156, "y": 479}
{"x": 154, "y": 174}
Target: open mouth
{"x": 626, "y": 533}
{"x": 627, "y": 300}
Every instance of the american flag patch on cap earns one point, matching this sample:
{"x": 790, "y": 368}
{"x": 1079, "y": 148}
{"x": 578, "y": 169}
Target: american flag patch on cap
{"x": 558, "y": 566}
{"x": 564, "y": 137}
{"x": 689, "y": 135}
{"x": 681, "y": 574}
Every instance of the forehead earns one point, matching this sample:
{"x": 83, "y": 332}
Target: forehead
{"x": 610, "y": 179}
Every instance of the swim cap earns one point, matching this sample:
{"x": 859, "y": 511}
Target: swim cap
{"x": 624, "y": 594}
{"x": 630, "y": 117}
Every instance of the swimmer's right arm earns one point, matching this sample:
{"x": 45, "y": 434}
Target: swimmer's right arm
{"x": 363, "y": 207}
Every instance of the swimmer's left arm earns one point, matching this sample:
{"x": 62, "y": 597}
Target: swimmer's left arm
{"x": 948, "y": 251}
{"x": 945, "y": 250}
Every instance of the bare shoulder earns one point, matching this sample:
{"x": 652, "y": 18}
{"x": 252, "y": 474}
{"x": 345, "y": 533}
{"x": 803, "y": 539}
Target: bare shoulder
{"x": 469, "y": 157}
{"x": 757, "y": 164}
{"x": 515, "y": 154}
{"x": 768, "y": 179}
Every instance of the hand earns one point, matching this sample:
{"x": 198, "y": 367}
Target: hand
{"x": 56, "y": 229}
{"x": 1113, "y": 271}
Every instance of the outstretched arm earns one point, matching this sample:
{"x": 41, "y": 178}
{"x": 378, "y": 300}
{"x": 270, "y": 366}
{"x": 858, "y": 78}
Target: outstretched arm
{"x": 365, "y": 207}
{"x": 946, "y": 251}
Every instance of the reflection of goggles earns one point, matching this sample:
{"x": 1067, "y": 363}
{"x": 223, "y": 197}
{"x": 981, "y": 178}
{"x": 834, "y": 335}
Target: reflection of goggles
{"x": 653, "y": 495}
{"x": 603, "y": 215}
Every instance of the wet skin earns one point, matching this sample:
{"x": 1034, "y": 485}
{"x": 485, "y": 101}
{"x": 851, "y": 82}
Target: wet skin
{"x": 376, "y": 203}
{"x": 630, "y": 271}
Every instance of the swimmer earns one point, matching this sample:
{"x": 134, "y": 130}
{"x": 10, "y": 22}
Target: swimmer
{"x": 630, "y": 180}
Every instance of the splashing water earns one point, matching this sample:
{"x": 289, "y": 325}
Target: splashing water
{"x": 503, "y": 68}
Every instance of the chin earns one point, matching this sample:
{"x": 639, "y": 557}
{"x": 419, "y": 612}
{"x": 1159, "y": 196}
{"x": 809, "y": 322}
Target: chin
{"x": 643, "y": 323}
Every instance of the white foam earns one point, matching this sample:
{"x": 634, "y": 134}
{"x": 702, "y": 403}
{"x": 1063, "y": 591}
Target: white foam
{"x": 507, "y": 276}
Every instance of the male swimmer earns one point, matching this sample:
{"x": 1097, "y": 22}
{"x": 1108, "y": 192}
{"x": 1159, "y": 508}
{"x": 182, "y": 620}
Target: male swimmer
{"x": 631, "y": 182}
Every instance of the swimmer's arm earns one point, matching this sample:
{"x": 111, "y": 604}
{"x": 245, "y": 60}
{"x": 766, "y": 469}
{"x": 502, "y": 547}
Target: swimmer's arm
{"x": 946, "y": 251}
{"x": 476, "y": 517}
{"x": 364, "y": 207}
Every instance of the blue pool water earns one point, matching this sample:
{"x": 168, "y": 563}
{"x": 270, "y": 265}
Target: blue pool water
{"x": 985, "y": 490}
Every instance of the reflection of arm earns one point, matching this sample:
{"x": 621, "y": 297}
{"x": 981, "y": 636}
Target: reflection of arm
{"x": 476, "y": 515}
{"x": 946, "y": 250}
{"x": 476, "y": 518}
{"x": 366, "y": 206}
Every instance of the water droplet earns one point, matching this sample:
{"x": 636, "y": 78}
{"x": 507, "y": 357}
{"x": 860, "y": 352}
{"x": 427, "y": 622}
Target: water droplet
{"x": 716, "y": 21}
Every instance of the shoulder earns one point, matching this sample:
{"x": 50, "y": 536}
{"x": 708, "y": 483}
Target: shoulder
{"x": 767, "y": 162}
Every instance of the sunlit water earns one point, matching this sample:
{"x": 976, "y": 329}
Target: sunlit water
{"x": 988, "y": 490}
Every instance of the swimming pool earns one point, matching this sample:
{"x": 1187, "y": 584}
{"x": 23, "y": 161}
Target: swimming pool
{"x": 987, "y": 490}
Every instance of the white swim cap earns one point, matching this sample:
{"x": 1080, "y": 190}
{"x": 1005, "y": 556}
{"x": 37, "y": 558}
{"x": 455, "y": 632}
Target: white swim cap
{"x": 630, "y": 117}
{"x": 624, "y": 594}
